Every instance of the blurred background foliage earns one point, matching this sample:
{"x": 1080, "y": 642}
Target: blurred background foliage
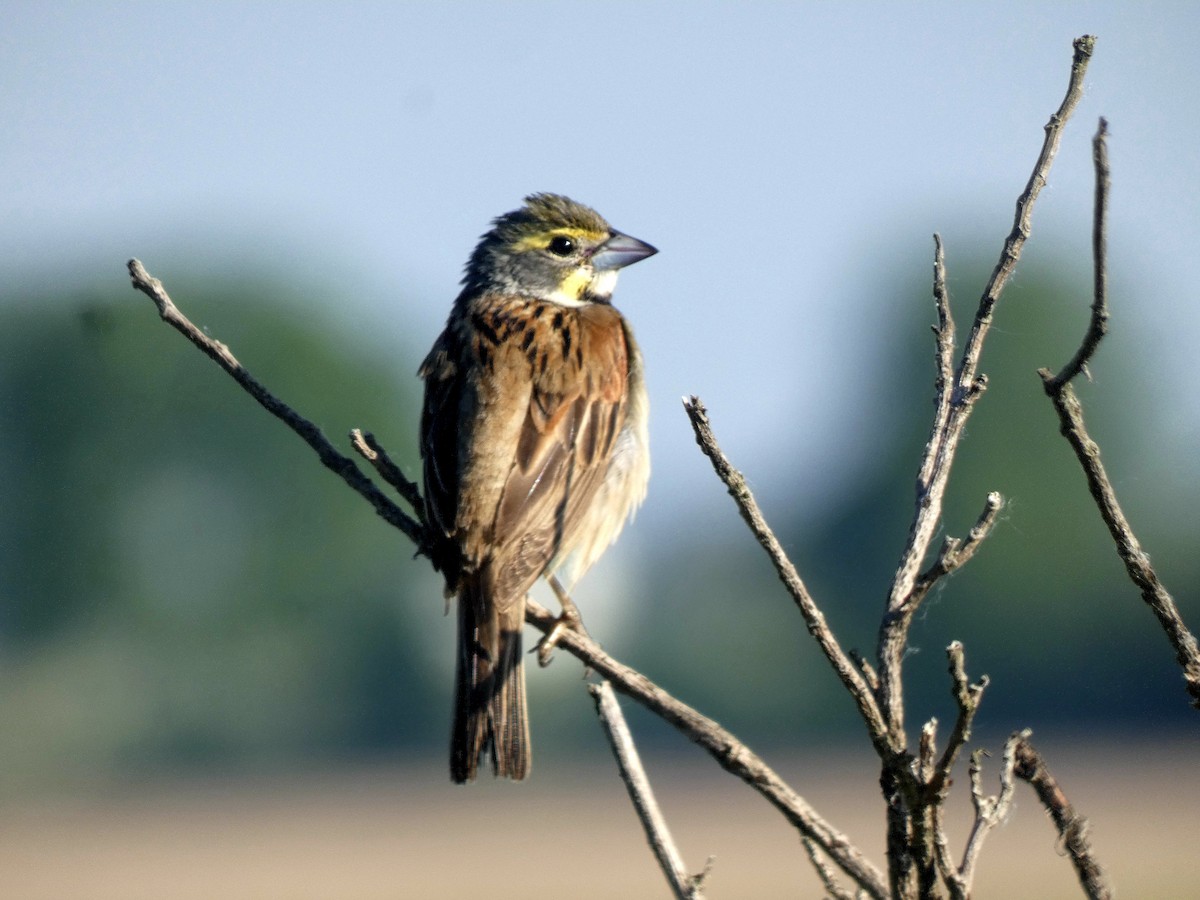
{"x": 184, "y": 587}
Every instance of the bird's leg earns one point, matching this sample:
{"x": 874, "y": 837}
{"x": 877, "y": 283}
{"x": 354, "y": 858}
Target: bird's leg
{"x": 570, "y": 618}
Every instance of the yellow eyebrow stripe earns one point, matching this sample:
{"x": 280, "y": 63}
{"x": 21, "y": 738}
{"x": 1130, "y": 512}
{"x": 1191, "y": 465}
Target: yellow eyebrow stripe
{"x": 540, "y": 240}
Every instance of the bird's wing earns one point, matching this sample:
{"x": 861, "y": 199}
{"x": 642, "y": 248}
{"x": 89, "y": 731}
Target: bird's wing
{"x": 514, "y": 453}
{"x": 575, "y": 410}
{"x": 439, "y": 433}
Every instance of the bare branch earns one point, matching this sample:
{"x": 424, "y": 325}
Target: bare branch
{"x": 945, "y": 865}
{"x": 730, "y": 753}
{"x": 967, "y": 696}
{"x": 926, "y": 751}
{"x": 1072, "y": 828}
{"x": 944, "y": 338}
{"x": 933, "y": 852}
{"x": 990, "y": 811}
{"x": 955, "y": 553}
{"x": 1098, "y": 324}
{"x": 868, "y": 671}
{"x": 968, "y": 386}
{"x": 1071, "y": 425}
{"x": 825, "y": 872}
{"x": 1024, "y": 214}
{"x": 308, "y": 432}
{"x": 1137, "y": 563}
{"x": 372, "y": 451}
{"x": 629, "y": 763}
{"x": 734, "y": 481}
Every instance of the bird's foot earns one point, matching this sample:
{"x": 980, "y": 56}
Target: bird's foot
{"x": 569, "y": 620}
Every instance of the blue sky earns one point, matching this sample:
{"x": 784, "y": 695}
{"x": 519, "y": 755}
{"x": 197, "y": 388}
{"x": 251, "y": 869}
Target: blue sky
{"x": 789, "y": 160}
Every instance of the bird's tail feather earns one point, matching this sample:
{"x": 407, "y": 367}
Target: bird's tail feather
{"x": 489, "y": 693}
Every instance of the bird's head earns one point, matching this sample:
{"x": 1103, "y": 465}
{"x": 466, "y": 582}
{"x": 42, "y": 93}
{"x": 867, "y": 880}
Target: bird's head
{"x": 555, "y": 249}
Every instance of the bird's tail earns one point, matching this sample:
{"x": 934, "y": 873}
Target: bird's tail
{"x": 489, "y": 691}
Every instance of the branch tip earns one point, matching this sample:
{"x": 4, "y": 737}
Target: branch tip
{"x": 1072, "y": 828}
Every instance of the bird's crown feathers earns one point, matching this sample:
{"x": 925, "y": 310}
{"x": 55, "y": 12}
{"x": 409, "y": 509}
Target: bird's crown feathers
{"x": 498, "y": 256}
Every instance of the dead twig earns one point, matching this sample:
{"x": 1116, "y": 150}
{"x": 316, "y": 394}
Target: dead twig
{"x": 1072, "y": 828}
{"x": 629, "y": 763}
{"x": 912, "y": 833}
{"x": 825, "y": 872}
{"x": 955, "y": 400}
{"x": 990, "y": 810}
{"x": 956, "y": 553}
{"x": 1070, "y": 416}
{"x": 308, "y": 432}
{"x": 854, "y": 679}
{"x": 372, "y": 451}
{"x": 967, "y": 695}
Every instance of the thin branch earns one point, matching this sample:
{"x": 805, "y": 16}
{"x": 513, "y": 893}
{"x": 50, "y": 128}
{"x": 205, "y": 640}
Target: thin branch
{"x": 933, "y": 849}
{"x": 967, "y": 696}
{"x": 825, "y": 872}
{"x": 990, "y": 811}
{"x": 1070, "y": 416}
{"x": 1098, "y": 323}
{"x": 372, "y": 451}
{"x": 934, "y": 471}
{"x": 927, "y": 750}
{"x": 945, "y": 865}
{"x": 955, "y": 553}
{"x": 629, "y": 763}
{"x": 864, "y": 666}
{"x": 308, "y": 432}
{"x": 944, "y": 339}
{"x": 1072, "y": 827}
{"x": 730, "y": 753}
{"x": 1137, "y": 563}
{"x": 1024, "y": 214}
{"x": 854, "y": 680}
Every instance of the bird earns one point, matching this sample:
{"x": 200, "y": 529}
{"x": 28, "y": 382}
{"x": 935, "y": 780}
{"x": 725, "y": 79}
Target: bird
{"x": 534, "y": 447}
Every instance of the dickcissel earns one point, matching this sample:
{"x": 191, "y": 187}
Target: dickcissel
{"x": 534, "y": 444}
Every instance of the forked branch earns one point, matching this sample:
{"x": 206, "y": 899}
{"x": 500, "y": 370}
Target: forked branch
{"x": 730, "y": 753}
{"x": 990, "y": 810}
{"x": 1070, "y": 416}
{"x": 956, "y": 397}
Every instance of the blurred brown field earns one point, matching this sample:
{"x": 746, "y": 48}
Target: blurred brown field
{"x": 386, "y": 832}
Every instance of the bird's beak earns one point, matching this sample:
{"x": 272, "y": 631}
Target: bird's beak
{"x": 619, "y": 251}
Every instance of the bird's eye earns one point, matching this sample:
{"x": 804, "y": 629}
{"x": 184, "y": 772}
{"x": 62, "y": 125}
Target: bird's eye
{"x": 561, "y": 246}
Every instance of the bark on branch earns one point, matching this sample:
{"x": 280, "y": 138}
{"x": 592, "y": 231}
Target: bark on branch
{"x": 1072, "y": 828}
{"x": 629, "y": 763}
{"x": 1070, "y": 416}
